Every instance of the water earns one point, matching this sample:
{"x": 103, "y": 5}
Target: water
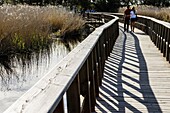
{"x": 16, "y": 84}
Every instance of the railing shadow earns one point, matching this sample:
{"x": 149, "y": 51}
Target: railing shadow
{"x": 126, "y": 86}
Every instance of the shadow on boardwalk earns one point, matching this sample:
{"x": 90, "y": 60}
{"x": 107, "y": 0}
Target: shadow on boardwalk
{"x": 125, "y": 86}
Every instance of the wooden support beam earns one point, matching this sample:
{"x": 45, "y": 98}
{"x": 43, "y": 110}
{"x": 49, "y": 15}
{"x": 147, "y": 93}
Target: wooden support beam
{"x": 73, "y": 97}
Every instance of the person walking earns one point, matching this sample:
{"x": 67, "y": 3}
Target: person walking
{"x": 127, "y": 18}
{"x": 133, "y": 18}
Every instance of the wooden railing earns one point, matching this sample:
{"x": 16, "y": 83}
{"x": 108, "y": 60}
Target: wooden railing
{"x": 158, "y": 30}
{"x": 97, "y": 19}
{"x": 78, "y": 75}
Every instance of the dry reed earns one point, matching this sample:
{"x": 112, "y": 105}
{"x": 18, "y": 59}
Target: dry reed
{"x": 25, "y": 29}
{"x": 156, "y": 12}
{"x": 25, "y": 25}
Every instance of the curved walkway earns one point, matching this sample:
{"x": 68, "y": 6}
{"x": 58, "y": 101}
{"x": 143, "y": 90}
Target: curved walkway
{"x": 136, "y": 77}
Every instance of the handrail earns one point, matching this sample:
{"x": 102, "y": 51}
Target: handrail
{"x": 79, "y": 73}
{"x": 159, "y": 32}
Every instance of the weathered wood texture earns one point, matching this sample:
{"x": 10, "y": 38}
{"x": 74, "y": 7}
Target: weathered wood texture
{"x": 159, "y": 32}
{"x": 136, "y": 77}
{"x": 77, "y": 74}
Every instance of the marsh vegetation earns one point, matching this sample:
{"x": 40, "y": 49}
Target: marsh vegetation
{"x": 161, "y": 13}
{"x": 31, "y": 30}
{"x": 30, "y": 36}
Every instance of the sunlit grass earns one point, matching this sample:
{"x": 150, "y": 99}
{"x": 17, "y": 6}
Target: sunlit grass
{"x": 156, "y": 12}
{"x": 28, "y": 29}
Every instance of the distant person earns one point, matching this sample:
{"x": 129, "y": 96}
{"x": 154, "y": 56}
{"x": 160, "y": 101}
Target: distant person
{"x": 92, "y": 10}
{"x": 133, "y": 18}
{"x": 127, "y": 18}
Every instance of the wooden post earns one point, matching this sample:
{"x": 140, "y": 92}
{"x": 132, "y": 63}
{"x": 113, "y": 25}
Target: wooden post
{"x": 91, "y": 67}
{"x": 102, "y": 51}
{"x": 60, "y": 107}
{"x": 87, "y": 101}
{"x": 153, "y": 33}
{"x": 73, "y": 97}
{"x": 99, "y": 63}
{"x": 85, "y": 88}
{"x": 162, "y": 37}
{"x": 156, "y": 34}
{"x": 107, "y": 43}
{"x": 88, "y": 96}
{"x": 160, "y": 34}
{"x": 96, "y": 74}
{"x": 165, "y": 41}
{"x": 167, "y": 44}
{"x": 92, "y": 93}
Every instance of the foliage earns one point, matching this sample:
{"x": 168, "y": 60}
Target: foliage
{"x": 84, "y": 3}
{"x": 107, "y": 5}
{"x": 157, "y": 2}
{"x": 161, "y": 3}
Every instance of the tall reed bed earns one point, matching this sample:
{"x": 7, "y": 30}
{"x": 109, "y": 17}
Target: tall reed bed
{"x": 25, "y": 30}
{"x": 156, "y": 12}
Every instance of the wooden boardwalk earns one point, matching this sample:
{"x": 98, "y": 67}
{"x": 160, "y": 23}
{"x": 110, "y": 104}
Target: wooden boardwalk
{"x": 136, "y": 77}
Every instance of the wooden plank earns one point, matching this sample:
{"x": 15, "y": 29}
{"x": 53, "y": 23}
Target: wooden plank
{"x": 47, "y": 93}
{"x": 136, "y": 77}
{"x": 73, "y": 97}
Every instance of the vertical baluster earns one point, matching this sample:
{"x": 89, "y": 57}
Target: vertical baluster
{"x": 99, "y": 63}
{"x": 96, "y": 74}
{"x": 162, "y": 37}
{"x": 60, "y": 107}
{"x": 158, "y": 35}
{"x": 85, "y": 88}
{"x": 103, "y": 55}
{"x": 167, "y": 44}
{"x": 106, "y": 43}
{"x": 91, "y": 67}
{"x": 156, "y": 29}
{"x": 164, "y": 41}
{"x": 152, "y": 32}
{"x": 73, "y": 96}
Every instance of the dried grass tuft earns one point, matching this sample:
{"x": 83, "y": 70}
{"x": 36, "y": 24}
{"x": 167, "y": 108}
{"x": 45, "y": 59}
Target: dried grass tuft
{"x": 26, "y": 29}
{"x": 156, "y": 12}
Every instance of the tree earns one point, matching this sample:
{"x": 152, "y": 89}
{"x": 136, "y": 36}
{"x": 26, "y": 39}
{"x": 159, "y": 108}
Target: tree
{"x": 107, "y": 5}
{"x": 157, "y": 2}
